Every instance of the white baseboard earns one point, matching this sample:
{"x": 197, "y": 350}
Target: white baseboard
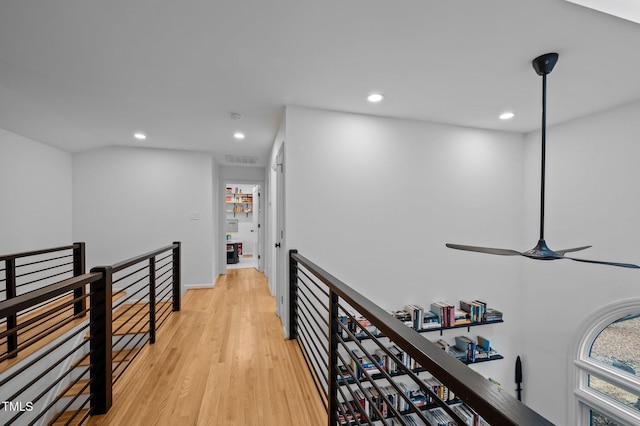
{"x": 190, "y": 286}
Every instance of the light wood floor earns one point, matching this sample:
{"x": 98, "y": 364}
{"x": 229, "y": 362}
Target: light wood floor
{"x": 223, "y": 361}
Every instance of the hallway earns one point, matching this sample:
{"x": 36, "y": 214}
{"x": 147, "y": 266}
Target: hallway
{"x": 222, "y": 360}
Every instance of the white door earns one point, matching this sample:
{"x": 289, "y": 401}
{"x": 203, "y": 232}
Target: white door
{"x": 279, "y": 255}
{"x": 257, "y": 226}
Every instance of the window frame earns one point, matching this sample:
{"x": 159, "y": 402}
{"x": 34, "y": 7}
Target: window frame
{"x": 582, "y": 365}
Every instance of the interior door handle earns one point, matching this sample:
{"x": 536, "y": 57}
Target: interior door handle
{"x": 277, "y": 245}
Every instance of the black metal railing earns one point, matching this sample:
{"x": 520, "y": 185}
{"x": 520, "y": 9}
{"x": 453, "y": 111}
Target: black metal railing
{"x": 64, "y": 367}
{"x": 27, "y": 271}
{"x": 144, "y": 291}
{"x": 370, "y": 368}
{"x": 42, "y": 379}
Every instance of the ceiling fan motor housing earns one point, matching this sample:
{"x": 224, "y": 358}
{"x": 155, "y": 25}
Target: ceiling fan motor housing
{"x": 544, "y": 64}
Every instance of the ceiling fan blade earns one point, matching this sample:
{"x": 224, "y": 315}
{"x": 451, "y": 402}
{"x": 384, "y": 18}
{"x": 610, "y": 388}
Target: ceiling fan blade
{"x": 600, "y": 262}
{"x": 487, "y": 250}
{"x": 562, "y": 252}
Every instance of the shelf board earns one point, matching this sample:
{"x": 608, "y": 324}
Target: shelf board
{"x": 363, "y": 336}
{"x": 378, "y": 376}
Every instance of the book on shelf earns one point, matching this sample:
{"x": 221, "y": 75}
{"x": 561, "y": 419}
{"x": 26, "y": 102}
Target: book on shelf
{"x": 360, "y": 363}
{"x": 430, "y": 320}
{"x": 467, "y": 345}
{"x": 438, "y": 417}
{"x": 445, "y": 312}
{"x": 492, "y": 315}
{"x": 461, "y": 317}
{"x": 484, "y": 343}
{"x": 417, "y": 314}
{"x": 403, "y": 316}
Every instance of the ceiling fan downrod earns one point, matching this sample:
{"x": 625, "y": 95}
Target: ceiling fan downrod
{"x": 543, "y": 65}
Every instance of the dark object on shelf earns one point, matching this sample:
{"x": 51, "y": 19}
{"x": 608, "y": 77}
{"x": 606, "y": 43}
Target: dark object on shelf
{"x": 232, "y": 253}
{"x": 543, "y": 65}
{"x": 519, "y": 377}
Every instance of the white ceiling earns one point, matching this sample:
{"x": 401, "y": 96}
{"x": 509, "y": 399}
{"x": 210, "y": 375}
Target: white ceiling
{"x": 85, "y": 74}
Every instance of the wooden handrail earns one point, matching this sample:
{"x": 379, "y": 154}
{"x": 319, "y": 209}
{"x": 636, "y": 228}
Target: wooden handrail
{"x": 37, "y": 252}
{"x": 19, "y": 303}
{"x": 491, "y": 402}
{"x": 129, "y": 262}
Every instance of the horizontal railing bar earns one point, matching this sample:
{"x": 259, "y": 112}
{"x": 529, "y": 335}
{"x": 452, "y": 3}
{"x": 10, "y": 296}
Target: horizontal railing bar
{"x": 168, "y": 271}
{"x": 115, "y": 377}
{"x": 320, "y": 315}
{"x": 126, "y": 263}
{"x": 169, "y": 256}
{"x": 362, "y": 410}
{"x": 492, "y": 403}
{"x": 19, "y": 303}
{"x": 44, "y": 269}
{"x": 321, "y": 302}
{"x": 125, "y": 323}
{"x": 24, "y": 324}
{"x": 55, "y": 401}
{"x": 39, "y": 357}
{"x": 410, "y": 373}
{"x": 168, "y": 279}
{"x": 37, "y": 306}
{"x": 160, "y": 295}
{"x": 314, "y": 377}
{"x": 36, "y": 252}
{"x": 49, "y": 259}
{"x": 32, "y": 340}
{"x": 307, "y": 336}
{"x": 70, "y": 271}
{"x": 324, "y": 291}
{"x": 138, "y": 281}
{"x": 142, "y": 268}
{"x": 357, "y": 380}
{"x": 45, "y": 372}
{"x": 310, "y": 364}
{"x": 47, "y": 331}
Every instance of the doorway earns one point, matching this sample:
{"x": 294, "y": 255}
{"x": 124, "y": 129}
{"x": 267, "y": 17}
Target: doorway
{"x": 243, "y": 225}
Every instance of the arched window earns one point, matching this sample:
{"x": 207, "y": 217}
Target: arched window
{"x": 606, "y": 388}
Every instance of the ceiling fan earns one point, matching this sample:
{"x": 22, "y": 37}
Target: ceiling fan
{"x": 543, "y": 65}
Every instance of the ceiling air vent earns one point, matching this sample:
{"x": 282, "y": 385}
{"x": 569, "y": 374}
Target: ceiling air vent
{"x": 241, "y": 159}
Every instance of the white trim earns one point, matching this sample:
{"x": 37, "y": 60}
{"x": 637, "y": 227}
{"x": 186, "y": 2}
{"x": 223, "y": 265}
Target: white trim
{"x": 581, "y": 365}
{"x": 190, "y": 286}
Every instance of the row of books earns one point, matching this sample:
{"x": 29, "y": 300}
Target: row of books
{"x": 444, "y": 314}
{"x": 385, "y": 401}
{"x": 440, "y": 314}
{"x": 465, "y": 349}
{"x": 468, "y": 350}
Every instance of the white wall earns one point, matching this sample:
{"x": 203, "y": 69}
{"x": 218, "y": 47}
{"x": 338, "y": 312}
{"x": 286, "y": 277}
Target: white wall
{"x": 35, "y": 194}
{"x": 374, "y": 200}
{"x": 592, "y": 199}
{"x": 129, "y": 201}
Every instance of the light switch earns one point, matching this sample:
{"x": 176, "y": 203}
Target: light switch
{"x": 195, "y": 216}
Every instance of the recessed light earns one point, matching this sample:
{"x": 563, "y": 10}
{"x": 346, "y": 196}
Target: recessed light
{"x": 238, "y": 135}
{"x": 506, "y": 115}
{"x": 375, "y": 97}
{"x": 140, "y": 136}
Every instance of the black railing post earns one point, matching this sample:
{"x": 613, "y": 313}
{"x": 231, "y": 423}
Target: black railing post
{"x": 293, "y": 295}
{"x": 12, "y": 320}
{"x": 101, "y": 341}
{"x": 79, "y": 268}
{"x": 332, "y": 377}
{"x": 152, "y": 300}
{"x": 176, "y": 277}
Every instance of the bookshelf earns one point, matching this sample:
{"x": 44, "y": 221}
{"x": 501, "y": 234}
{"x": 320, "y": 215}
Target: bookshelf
{"x": 238, "y": 203}
{"x": 390, "y": 362}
